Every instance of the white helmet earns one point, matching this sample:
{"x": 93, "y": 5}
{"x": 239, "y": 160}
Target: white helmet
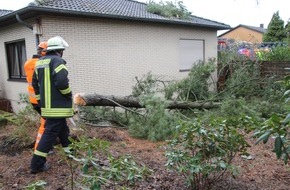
{"x": 56, "y": 43}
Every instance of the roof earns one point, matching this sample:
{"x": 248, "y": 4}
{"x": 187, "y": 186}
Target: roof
{"x": 254, "y": 28}
{"x": 115, "y": 9}
{"x": 4, "y": 12}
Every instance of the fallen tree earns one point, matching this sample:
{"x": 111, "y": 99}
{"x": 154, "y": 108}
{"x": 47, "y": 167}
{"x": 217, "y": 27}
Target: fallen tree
{"x": 93, "y": 99}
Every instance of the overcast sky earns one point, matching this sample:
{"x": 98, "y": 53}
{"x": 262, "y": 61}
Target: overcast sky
{"x": 231, "y": 12}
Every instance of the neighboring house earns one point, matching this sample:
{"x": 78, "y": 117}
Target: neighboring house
{"x": 245, "y": 33}
{"x": 110, "y": 43}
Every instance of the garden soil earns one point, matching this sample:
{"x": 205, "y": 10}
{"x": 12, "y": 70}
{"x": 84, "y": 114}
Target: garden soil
{"x": 260, "y": 171}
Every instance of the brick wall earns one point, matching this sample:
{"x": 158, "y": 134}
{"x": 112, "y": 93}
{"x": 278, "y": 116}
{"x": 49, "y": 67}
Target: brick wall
{"x": 105, "y": 55}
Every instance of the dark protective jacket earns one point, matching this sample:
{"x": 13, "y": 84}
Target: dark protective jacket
{"x": 51, "y": 85}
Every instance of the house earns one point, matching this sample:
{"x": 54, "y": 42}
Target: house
{"x": 110, "y": 43}
{"x": 245, "y": 33}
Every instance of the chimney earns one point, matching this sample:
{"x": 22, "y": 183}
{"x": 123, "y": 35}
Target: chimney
{"x": 261, "y": 25}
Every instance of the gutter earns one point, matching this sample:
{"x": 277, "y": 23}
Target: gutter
{"x": 28, "y": 26}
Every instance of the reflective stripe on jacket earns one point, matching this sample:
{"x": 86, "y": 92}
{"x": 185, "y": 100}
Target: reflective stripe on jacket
{"x": 51, "y": 86}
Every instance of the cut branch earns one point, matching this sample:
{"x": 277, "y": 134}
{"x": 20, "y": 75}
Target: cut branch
{"x": 85, "y": 99}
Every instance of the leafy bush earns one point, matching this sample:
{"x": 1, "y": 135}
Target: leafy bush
{"x": 279, "y": 129}
{"x": 98, "y": 167}
{"x": 279, "y": 53}
{"x": 202, "y": 152}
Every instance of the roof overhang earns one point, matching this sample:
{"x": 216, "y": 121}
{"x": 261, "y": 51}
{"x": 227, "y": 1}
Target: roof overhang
{"x": 34, "y": 11}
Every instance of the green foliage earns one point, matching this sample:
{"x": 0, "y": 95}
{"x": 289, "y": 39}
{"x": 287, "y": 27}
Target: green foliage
{"x": 279, "y": 53}
{"x": 195, "y": 86}
{"x": 169, "y": 9}
{"x": 156, "y": 123}
{"x": 235, "y": 107}
{"x": 38, "y": 185}
{"x": 278, "y": 128}
{"x": 98, "y": 167}
{"x": 244, "y": 80}
{"x": 263, "y": 109}
{"x": 275, "y": 31}
{"x": 27, "y": 120}
{"x": 95, "y": 115}
{"x": 149, "y": 84}
{"x": 3, "y": 121}
{"x": 203, "y": 151}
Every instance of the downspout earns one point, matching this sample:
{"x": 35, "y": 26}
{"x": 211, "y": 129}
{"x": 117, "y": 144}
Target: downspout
{"x": 28, "y": 26}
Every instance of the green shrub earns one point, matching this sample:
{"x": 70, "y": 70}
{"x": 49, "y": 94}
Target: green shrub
{"x": 203, "y": 152}
{"x": 278, "y": 128}
{"x": 98, "y": 167}
{"x": 279, "y": 53}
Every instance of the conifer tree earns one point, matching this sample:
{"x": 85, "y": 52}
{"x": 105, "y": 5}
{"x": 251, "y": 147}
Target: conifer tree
{"x": 275, "y": 31}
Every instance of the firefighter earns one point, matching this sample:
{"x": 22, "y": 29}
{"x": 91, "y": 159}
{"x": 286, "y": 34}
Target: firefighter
{"x": 54, "y": 95}
{"x": 29, "y": 70}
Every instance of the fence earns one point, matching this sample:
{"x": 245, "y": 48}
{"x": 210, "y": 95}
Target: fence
{"x": 276, "y": 69}
{"x": 5, "y": 105}
{"x": 279, "y": 69}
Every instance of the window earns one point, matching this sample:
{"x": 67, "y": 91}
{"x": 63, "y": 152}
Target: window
{"x": 191, "y": 51}
{"x": 16, "y": 57}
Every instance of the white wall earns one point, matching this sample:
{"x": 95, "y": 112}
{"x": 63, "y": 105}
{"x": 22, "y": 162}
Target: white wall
{"x": 105, "y": 56}
{"x": 12, "y": 89}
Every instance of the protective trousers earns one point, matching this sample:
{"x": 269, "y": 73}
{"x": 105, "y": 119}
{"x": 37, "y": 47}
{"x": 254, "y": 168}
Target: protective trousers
{"x": 53, "y": 128}
{"x": 39, "y": 133}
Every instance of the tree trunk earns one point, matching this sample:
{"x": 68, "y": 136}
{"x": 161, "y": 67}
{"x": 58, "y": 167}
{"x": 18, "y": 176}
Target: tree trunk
{"x": 84, "y": 99}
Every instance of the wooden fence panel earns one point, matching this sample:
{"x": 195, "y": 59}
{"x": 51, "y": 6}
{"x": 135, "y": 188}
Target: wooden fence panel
{"x": 278, "y": 69}
{"x": 5, "y": 105}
